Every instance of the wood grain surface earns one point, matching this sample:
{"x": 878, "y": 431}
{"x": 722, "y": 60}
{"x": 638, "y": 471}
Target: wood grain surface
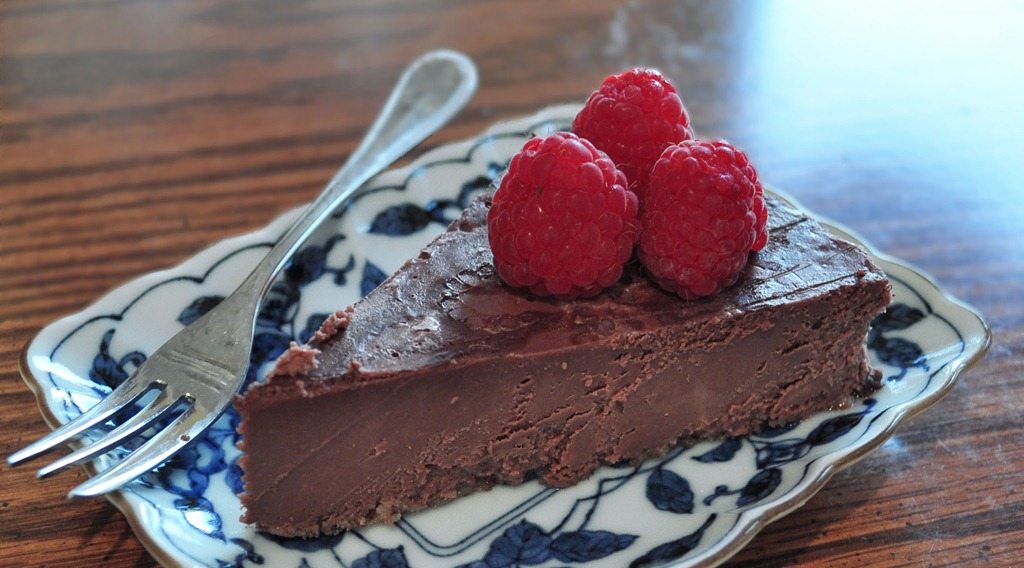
{"x": 135, "y": 132}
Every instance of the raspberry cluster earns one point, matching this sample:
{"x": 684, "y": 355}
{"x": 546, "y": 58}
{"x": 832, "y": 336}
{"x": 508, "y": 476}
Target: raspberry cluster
{"x": 572, "y": 206}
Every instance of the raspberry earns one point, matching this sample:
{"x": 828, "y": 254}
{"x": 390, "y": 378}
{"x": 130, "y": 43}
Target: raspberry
{"x": 562, "y": 222}
{"x": 632, "y": 117}
{"x": 703, "y": 214}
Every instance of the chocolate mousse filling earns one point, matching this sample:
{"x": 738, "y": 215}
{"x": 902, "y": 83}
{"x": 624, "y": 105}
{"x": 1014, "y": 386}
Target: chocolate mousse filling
{"x": 443, "y": 381}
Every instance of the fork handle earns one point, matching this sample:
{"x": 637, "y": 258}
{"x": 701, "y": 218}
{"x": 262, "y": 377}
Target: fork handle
{"x": 429, "y": 93}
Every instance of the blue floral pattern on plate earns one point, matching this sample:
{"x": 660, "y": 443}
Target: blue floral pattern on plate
{"x": 695, "y": 505}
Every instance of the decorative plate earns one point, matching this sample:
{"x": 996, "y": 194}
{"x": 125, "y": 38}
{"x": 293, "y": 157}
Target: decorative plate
{"x": 696, "y": 505}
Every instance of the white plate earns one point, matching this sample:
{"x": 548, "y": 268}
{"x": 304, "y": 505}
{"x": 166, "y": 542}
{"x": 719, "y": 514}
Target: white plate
{"x": 698, "y": 505}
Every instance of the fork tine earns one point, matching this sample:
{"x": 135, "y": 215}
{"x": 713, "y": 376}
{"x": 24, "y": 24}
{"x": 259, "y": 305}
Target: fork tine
{"x": 125, "y": 394}
{"x": 162, "y": 404}
{"x": 161, "y": 446}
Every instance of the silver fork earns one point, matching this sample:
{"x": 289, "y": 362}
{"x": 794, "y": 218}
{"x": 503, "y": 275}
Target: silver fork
{"x": 203, "y": 365}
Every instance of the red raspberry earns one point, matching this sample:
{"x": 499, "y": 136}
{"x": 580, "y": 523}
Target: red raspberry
{"x": 562, "y": 222}
{"x": 632, "y": 117}
{"x": 703, "y": 214}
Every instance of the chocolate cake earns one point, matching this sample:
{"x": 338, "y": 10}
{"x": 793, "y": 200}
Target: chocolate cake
{"x": 444, "y": 381}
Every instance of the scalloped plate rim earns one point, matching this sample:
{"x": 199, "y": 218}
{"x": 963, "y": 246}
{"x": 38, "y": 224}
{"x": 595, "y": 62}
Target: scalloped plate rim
{"x": 749, "y": 522}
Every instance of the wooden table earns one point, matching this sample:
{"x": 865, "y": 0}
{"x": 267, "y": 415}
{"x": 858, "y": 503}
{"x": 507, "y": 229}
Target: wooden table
{"x": 135, "y": 132}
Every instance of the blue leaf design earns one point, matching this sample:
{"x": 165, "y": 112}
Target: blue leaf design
{"x": 581, "y": 546}
{"x": 673, "y": 549}
{"x": 341, "y": 274}
{"x": 307, "y": 265}
{"x": 233, "y": 477}
{"x": 135, "y": 359}
{"x": 388, "y": 558}
{"x": 219, "y": 436}
{"x": 200, "y": 514}
{"x": 760, "y": 486}
{"x": 400, "y": 220}
{"x": 523, "y": 543}
{"x": 784, "y": 451}
{"x": 183, "y": 462}
{"x": 277, "y": 304}
{"x": 778, "y": 430}
{"x": 198, "y": 308}
{"x": 268, "y": 345}
{"x": 897, "y": 316}
{"x": 313, "y": 323}
{"x": 897, "y": 351}
{"x": 210, "y": 458}
{"x": 721, "y": 453}
{"x": 833, "y": 429}
{"x": 477, "y": 184}
{"x": 233, "y": 419}
{"x": 323, "y": 542}
{"x": 248, "y": 553}
{"x": 105, "y": 369}
{"x": 109, "y": 371}
{"x": 669, "y": 492}
{"x": 197, "y": 481}
{"x": 372, "y": 277}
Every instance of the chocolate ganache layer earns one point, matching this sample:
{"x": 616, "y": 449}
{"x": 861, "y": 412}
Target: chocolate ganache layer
{"x": 443, "y": 381}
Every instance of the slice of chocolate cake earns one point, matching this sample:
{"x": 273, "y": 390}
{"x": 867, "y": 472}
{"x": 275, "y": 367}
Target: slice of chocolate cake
{"x": 444, "y": 381}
